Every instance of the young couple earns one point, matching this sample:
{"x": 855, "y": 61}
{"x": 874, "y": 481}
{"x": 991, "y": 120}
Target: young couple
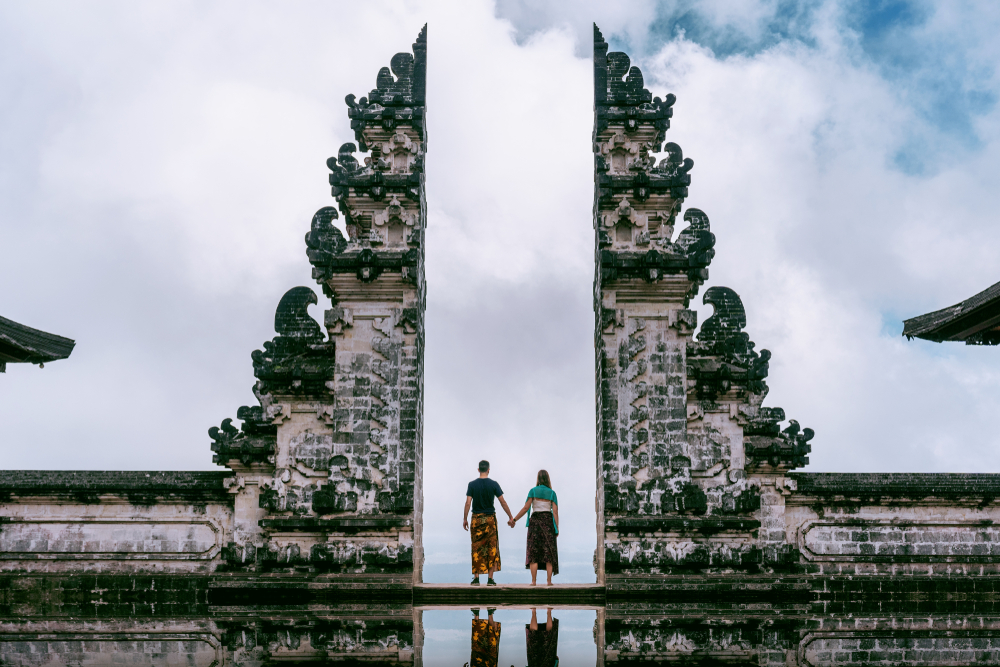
{"x": 543, "y": 526}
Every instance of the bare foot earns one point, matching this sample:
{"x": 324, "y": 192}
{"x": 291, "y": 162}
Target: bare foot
{"x": 549, "y": 583}
{"x": 532, "y": 584}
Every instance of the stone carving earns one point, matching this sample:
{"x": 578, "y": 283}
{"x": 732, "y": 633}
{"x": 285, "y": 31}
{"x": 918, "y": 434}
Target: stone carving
{"x": 398, "y": 96}
{"x": 253, "y": 443}
{"x": 324, "y": 240}
{"x": 629, "y": 124}
{"x": 675, "y": 166}
{"x": 696, "y": 241}
{"x": 402, "y": 153}
{"x": 620, "y": 153}
{"x": 381, "y": 197}
{"x": 724, "y": 360}
{"x": 620, "y": 95}
{"x": 337, "y": 318}
{"x": 297, "y": 360}
{"x": 724, "y": 356}
{"x": 770, "y": 449}
{"x": 394, "y": 224}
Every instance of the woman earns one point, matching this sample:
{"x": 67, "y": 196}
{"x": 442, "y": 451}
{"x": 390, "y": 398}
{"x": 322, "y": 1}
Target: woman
{"x": 543, "y": 527}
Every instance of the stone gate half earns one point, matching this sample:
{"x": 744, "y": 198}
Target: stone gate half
{"x": 325, "y": 471}
{"x": 327, "y": 468}
{"x": 693, "y": 471}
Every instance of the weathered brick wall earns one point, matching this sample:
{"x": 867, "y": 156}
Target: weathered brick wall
{"x": 912, "y": 649}
{"x": 787, "y": 634}
{"x": 969, "y": 637}
{"x": 84, "y": 649}
{"x": 59, "y": 522}
{"x": 895, "y": 524}
{"x": 373, "y": 635}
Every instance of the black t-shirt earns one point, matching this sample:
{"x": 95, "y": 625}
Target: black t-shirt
{"x": 483, "y": 491}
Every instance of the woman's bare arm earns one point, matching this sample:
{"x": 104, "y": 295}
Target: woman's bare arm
{"x": 524, "y": 509}
{"x": 555, "y": 513}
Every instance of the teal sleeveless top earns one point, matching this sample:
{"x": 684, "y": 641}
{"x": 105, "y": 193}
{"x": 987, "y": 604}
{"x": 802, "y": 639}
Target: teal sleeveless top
{"x": 543, "y": 493}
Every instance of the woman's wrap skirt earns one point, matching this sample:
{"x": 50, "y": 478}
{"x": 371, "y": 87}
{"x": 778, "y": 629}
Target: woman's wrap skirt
{"x": 543, "y": 645}
{"x": 485, "y": 544}
{"x": 542, "y": 547}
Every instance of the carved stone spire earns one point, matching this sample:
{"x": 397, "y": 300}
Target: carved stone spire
{"x": 645, "y": 276}
{"x": 673, "y": 456}
{"x": 330, "y": 460}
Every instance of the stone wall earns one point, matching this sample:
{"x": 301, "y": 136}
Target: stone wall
{"x": 104, "y": 522}
{"x": 348, "y": 635}
{"x": 894, "y": 524}
{"x": 793, "y": 635}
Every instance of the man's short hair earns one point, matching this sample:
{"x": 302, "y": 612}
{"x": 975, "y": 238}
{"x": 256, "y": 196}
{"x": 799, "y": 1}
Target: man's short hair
{"x": 484, "y": 465}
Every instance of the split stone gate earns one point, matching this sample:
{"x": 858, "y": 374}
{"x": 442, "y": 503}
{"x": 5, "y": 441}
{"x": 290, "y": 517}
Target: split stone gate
{"x": 323, "y": 478}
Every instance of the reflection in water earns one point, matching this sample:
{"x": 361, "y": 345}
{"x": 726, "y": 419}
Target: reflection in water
{"x": 485, "y": 640}
{"x": 542, "y": 641}
{"x": 918, "y": 629}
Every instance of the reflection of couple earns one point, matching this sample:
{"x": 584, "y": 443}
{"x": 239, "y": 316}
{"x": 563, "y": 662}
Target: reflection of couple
{"x": 542, "y": 641}
{"x": 543, "y": 526}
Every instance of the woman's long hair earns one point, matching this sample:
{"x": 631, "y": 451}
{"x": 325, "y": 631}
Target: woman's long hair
{"x": 543, "y": 479}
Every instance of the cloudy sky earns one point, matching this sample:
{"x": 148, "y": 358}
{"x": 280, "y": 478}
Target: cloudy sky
{"x": 160, "y": 162}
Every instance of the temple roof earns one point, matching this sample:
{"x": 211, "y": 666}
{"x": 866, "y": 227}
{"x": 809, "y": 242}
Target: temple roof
{"x": 975, "y": 321}
{"x": 21, "y": 344}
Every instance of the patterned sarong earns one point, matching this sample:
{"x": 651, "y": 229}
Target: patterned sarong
{"x": 543, "y": 645}
{"x": 542, "y": 546}
{"x": 485, "y": 544}
{"x": 485, "y": 643}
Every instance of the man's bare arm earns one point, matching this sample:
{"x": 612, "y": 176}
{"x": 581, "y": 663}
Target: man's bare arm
{"x": 503, "y": 504}
{"x": 465, "y": 514}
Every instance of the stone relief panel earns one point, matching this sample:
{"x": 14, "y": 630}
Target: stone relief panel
{"x": 901, "y": 540}
{"x": 645, "y": 454}
{"x": 116, "y": 540}
{"x": 84, "y": 649}
{"x": 934, "y": 647}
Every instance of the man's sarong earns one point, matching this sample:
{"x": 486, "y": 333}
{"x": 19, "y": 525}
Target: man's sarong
{"x": 485, "y": 544}
{"x": 485, "y": 643}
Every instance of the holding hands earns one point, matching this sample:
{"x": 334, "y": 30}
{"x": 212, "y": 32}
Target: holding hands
{"x": 511, "y": 523}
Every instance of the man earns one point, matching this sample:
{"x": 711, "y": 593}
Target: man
{"x": 485, "y": 540}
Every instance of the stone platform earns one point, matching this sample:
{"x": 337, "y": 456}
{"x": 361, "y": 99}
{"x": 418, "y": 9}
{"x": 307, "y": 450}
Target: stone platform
{"x": 580, "y": 596}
